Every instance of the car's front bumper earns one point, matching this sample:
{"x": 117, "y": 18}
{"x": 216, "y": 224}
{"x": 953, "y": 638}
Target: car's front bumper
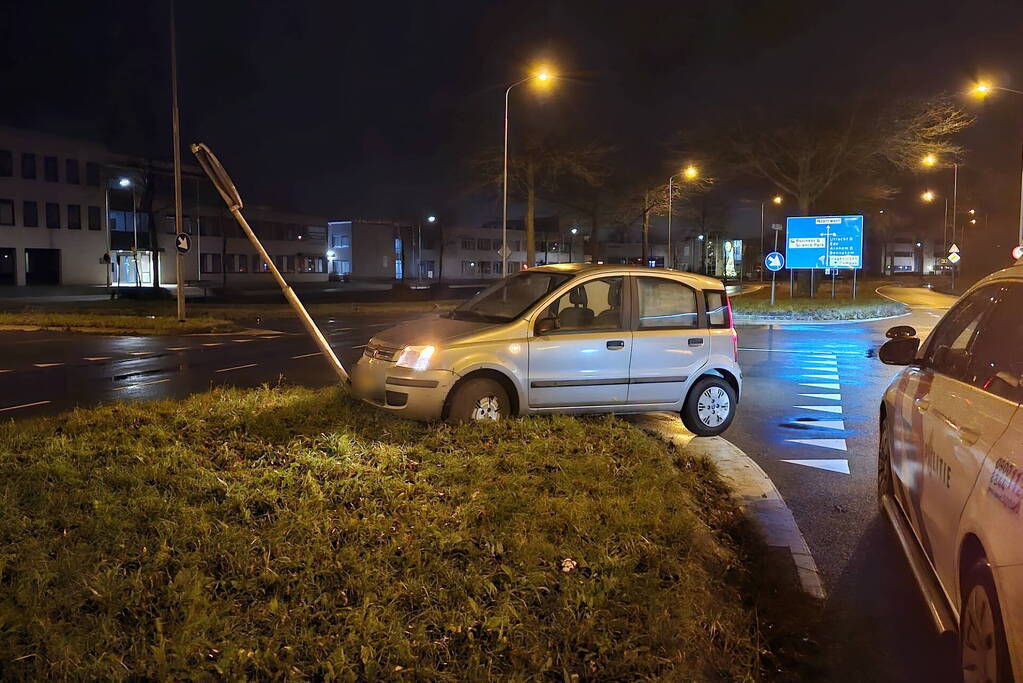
{"x": 415, "y": 394}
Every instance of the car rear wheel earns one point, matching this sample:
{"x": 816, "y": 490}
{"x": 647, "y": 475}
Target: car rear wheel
{"x": 982, "y": 646}
{"x": 709, "y": 407}
{"x": 479, "y": 399}
{"x": 885, "y": 483}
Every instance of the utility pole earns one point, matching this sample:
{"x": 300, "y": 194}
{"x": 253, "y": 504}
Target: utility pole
{"x": 178, "y": 269}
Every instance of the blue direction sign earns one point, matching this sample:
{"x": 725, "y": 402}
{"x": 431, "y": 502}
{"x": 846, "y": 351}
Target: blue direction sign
{"x": 824, "y": 242}
{"x": 774, "y": 261}
{"x": 183, "y": 242}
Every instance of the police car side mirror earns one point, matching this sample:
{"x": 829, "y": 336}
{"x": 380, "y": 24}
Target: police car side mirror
{"x": 899, "y": 351}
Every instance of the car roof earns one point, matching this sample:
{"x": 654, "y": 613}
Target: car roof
{"x": 1012, "y": 272}
{"x": 703, "y": 281}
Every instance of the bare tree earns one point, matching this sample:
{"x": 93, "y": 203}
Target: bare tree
{"x": 645, "y": 201}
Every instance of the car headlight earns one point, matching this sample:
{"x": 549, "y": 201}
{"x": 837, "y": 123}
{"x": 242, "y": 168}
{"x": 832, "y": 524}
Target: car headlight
{"x": 416, "y": 357}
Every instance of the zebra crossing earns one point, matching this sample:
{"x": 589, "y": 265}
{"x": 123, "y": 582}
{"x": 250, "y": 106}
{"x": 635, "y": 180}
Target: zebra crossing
{"x": 819, "y": 371}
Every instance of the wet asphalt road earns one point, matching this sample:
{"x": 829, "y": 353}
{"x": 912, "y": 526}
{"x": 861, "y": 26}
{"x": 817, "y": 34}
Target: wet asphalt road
{"x": 875, "y": 626}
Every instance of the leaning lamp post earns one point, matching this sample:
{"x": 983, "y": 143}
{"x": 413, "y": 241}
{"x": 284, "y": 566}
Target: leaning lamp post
{"x": 690, "y": 172}
{"x": 543, "y": 76}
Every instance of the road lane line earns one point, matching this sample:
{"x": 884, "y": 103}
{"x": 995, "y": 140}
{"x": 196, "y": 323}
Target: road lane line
{"x": 839, "y": 466}
{"x": 24, "y": 405}
{"x": 140, "y": 353}
{"x": 832, "y": 377}
{"x": 819, "y": 385}
{"x": 831, "y": 444}
{"x": 832, "y": 397}
{"x": 96, "y": 358}
{"x": 823, "y": 409}
{"x": 306, "y": 355}
{"x": 242, "y": 341}
{"x": 213, "y": 344}
{"x": 142, "y": 384}
{"x": 3, "y": 371}
{"x": 360, "y": 346}
{"x": 46, "y": 365}
{"x": 178, "y": 348}
{"x": 237, "y": 367}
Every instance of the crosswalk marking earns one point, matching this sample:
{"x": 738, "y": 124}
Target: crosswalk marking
{"x": 834, "y": 377}
{"x": 832, "y": 444}
{"x": 822, "y": 424}
{"x": 820, "y": 362}
{"x": 832, "y": 397}
{"x": 823, "y": 409}
{"x": 818, "y": 385}
{"x": 839, "y": 466}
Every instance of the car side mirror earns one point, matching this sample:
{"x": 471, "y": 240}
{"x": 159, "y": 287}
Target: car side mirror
{"x": 546, "y": 325}
{"x": 899, "y": 351}
{"x": 900, "y": 331}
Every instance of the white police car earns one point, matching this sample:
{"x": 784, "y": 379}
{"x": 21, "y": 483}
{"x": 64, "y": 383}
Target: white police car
{"x": 950, "y": 470}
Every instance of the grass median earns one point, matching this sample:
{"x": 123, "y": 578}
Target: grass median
{"x": 867, "y": 304}
{"x": 294, "y": 533}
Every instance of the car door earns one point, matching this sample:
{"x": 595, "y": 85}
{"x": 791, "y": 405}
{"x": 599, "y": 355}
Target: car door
{"x": 584, "y": 362}
{"x": 669, "y": 344}
{"x": 943, "y": 464}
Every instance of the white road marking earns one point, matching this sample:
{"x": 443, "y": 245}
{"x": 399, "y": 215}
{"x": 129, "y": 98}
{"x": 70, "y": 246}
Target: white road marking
{"x": 833, "y": 397}
{"x": 832, "y": 444}
{"x": 360, "y": 346}
{"x": 3, "y": 371}
{"x": 237, "y": 367}
{"x": 817, "y": 385}
{"x": 177, "y": 348}
{"x": 24, "y": 405}
{"x": 834, "y": 377}
{"x": 823, "y": 424}
{"x": 213, "y": 344}
{"x": 96, "y": 358}
{"x": 140, "y": 353}
{"x": 306, "y": 355}
{"x": 839, "y": 466}
{"x": 46, "y": 365}
{"x": 810, "y": 354}
{"x": 242, "y": 341}
{"x": 820, "y": 362}
{"x": 823, "y": 409}
{"x": 142, "y": 384}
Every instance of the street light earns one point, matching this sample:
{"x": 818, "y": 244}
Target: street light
{"x": 544, "y": 76}
{"x": 571, "y": 245}
{"x": 929, "y": 160}
{"x": 691, "y": 173}
{"x": 982, "y": 89}
{"x": 928, "y": 196}
{"x": 776, "y": 200}
{"x": 124, "y": 182}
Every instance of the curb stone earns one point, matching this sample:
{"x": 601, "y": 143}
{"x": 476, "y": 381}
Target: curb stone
{"x": 751, "y": 488}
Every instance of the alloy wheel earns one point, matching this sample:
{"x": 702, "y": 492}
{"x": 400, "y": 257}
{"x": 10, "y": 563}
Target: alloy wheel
{"x": 980, "y": 653}
{"x": 487, "y": 408}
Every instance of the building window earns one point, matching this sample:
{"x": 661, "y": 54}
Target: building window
{"x": 211, "y": 263}
{"x": 50, "y": 169}
{"x": 71, "y": 172}
{"x": 6, "y": 212}
{"x": 74, "y": 217}
{"x": 30, "y": 214}
{"x": 92, "y": 173}
{"x": 94, "y": 216}
{"x": 468, "y": 243}
{"x": 483, "y": 243}
{"x": 515, "y": 245}
{"x": 346, "y": 267}
{"x": 497, "y": 267}
{"x": 6, "y": 163}
{"x": 243, "y": 264}
{"x": 52, "y": 215}
{"x": 28, "y": 166}
{"x": 485, "y": 267}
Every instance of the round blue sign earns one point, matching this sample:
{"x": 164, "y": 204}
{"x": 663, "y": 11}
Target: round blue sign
{"x": 774, "y": 261}
{"x": 183, "y": 242}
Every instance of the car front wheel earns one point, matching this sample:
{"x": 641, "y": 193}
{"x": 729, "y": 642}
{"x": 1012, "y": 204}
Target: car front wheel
{"x": 479, "y": 399}
{"x": 982, "y": 645}
{"x": 709, "y": 407}
{"x": 885, "y": 483}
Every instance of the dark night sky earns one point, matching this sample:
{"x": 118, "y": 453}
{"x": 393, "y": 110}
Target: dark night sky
{"x": 372, "y": 108}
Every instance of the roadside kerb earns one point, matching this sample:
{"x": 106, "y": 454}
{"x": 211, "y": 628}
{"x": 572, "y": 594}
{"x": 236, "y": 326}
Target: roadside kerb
{"x": 752, "y": 490}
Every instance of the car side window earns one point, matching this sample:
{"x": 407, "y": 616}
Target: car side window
{"x": 718, "y": 313}
{"x": 593, "y": 305}
{"x": 948, "y": 350}
{"x": 996, "y": 361}
{"x": 665, "y": 303}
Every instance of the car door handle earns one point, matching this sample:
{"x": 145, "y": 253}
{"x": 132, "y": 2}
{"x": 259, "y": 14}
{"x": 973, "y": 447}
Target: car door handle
{"x": 968, "y": 436}
{"x": 696, "y": 341}
{"x": 922, "y": 404}
{"x": 616, "y": 344}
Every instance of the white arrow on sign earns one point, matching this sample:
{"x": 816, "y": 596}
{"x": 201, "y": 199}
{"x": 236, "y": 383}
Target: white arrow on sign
{"x": 773, "y": 261}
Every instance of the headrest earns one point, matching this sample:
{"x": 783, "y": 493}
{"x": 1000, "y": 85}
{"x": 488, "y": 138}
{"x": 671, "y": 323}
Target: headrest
{"x": 578, "y": 296}
{"x": 614, "y": 293}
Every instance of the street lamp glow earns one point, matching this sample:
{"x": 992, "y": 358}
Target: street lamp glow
{"x": 928, "y": 196}
{"x": 981, "y": 89}
{"x": 929, "y": 160}
{"x": 973, "y": 212}
{"x": 574, "y": 231}
{"x": 124, "y": 182}
{"x": 431, "y": 219}
{"x": 690, "y": 172}
{"x": 973, "y": 221}
{"x": 777, "y": 199}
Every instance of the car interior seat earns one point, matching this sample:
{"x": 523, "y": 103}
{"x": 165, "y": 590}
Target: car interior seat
{"x": 612, "y": 315}
{"x": 578, "y": 315}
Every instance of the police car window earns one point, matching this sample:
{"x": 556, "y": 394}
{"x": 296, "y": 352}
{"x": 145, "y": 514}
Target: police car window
{"x": 949, "y": 346}
{"x": 996, "y": 362}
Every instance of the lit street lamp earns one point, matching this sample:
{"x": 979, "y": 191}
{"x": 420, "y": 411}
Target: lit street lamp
{"x": 571, "y": 244}
{"x": 691, "y": 173}
{"x": 777, "y": 200}
{"x": 982, "y": 89}
{"x": 544, "y": 76}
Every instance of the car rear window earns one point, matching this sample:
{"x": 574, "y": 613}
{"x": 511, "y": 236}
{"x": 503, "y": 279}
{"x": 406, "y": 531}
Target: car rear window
{"x": 718, "y": 313}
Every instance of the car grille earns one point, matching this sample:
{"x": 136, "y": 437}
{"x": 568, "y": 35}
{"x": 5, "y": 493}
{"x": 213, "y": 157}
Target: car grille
{"x": 380, "y": 352}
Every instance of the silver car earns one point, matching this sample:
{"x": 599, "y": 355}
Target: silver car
{"x": 571, "y": 338}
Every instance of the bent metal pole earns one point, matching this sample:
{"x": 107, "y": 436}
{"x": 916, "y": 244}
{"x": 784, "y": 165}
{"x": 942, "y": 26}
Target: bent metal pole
{"x": 218, "y": 176}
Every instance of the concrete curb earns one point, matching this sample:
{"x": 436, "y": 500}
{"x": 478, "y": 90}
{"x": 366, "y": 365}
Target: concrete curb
{"x": 752, "y": 489}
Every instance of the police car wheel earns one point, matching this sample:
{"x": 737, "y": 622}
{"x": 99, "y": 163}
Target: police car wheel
{"x": 982, "y": 646}
{"x": 479, "y": 399}
{"x": 885, "y": 484}
{"x": 710, "y": 406}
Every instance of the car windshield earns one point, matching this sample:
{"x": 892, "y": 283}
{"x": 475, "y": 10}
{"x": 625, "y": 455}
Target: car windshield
{"x": 511, "y": 297}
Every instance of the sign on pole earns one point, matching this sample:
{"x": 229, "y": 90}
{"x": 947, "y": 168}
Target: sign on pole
{"x": 774, "y": 261}
{"x": 954, "y": 257}
{"x": 183, "y": 242}
{"x": 824, "y": 242}
{"x": 1017, "y": 252}
{"x": 954, "y": 249}
{"x": 504, "y": 252}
